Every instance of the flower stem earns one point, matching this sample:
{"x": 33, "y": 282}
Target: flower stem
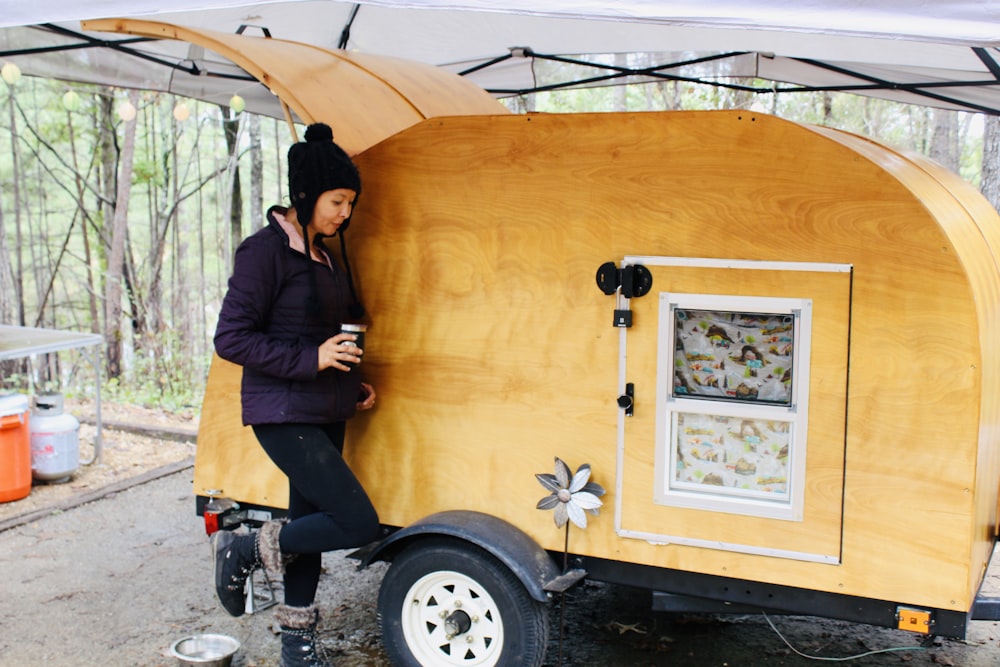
{"x": 562, "y": 597}
{"x": 566, "y": 550}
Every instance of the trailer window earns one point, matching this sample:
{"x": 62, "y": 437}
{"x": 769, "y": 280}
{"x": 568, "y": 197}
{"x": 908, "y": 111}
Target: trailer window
{"x": 732, "y": 424}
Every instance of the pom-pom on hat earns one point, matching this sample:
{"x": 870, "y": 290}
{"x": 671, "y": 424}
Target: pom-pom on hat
{"x": 315, "y": 166}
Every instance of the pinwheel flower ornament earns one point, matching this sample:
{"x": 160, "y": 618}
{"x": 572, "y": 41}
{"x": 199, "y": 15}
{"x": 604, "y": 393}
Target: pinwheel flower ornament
{"x": 570, "y": 497}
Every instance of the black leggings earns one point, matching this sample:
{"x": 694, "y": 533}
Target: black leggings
{"x": 327, "y": 508}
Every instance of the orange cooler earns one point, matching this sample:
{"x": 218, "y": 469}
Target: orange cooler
{"x": 15, "y": 448}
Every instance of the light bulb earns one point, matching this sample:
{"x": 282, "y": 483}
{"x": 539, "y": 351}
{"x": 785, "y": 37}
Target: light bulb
{"x": 237, "y": 103}
{"x": 10, "y": 73}
{"x": 71, "y": 101}
{"x": 127, "y": 111}
{"x": 181, "y": 112}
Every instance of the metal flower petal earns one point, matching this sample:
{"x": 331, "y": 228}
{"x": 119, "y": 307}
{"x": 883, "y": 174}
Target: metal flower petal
{"x": 576, "y": 515}
{"x": 560, "y": 515}
{"x": 548, "y": 502}
{"x": 580, "y": 479}
{"x": 549, "y": 481}
{"x": 562, "y": 473}
{"x": 586, "y": 501}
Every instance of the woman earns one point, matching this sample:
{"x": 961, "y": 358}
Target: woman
{"x": 280, "y": 320}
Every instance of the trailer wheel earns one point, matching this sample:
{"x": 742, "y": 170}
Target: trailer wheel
{"x": 445, "y": 603}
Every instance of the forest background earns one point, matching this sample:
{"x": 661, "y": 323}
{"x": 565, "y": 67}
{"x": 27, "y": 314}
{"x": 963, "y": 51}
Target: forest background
{"x": 120, "y": 210}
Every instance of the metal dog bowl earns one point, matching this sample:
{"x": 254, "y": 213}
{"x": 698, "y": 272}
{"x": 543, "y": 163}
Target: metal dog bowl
{"x": 205, "y": 650}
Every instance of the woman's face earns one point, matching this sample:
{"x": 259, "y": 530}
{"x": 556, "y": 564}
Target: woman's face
{"x": 332, "y": 208}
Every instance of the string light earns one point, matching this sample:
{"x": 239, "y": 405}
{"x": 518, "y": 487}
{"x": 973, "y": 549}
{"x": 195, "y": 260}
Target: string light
{"x": 127, "y": 111}
{"x": 237, "y": 104}
{"x": 10, "y": 73}
{"x": 181, "y": 112}
{"x": 71, "y": 101}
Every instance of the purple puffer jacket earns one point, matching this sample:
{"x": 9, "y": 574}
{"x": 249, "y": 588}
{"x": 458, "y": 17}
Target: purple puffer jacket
{"x": 265, "y": 326}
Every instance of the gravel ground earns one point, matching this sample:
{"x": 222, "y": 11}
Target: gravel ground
{"x": 116, "y": 580}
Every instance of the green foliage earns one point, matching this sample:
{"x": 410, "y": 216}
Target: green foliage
{"x": 178, "y": 253}
{"x": 171, "y": 380}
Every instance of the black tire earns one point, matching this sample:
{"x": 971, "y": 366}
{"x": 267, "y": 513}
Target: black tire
{"x": 435, "y": 579}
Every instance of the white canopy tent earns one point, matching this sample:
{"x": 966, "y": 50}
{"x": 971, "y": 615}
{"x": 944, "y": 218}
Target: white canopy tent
{"x": 942, "y": 53}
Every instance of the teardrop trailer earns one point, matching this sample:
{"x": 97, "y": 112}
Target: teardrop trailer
{"x": 852, "y": 473}
{"x": 771, "y": 342}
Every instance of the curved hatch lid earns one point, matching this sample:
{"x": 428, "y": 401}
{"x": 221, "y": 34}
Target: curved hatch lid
{"x": 365, "y": 98}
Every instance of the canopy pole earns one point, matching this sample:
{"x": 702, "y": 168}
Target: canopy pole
{"x": 288, "y": 119}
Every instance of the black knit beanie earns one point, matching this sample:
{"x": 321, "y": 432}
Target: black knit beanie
{"x": 315, "y": 166}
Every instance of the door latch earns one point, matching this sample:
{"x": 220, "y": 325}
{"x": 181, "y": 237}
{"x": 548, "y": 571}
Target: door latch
{"x": 634, "y": 280}
{"x": 627, "y": 400}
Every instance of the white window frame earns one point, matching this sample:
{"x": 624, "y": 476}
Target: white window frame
{"x": 667, "y": 491}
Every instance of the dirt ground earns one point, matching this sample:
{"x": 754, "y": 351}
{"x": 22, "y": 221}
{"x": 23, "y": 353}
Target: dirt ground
{"x": 113, "y": 566}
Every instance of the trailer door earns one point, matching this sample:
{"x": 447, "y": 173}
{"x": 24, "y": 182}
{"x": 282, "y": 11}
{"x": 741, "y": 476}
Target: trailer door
{"x": 733, "y": 389}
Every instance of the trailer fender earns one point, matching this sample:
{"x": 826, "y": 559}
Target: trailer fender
{"x": 529, "y": 562}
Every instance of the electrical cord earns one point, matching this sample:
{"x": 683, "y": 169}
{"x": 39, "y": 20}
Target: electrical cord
{"x": 844, "y": 659}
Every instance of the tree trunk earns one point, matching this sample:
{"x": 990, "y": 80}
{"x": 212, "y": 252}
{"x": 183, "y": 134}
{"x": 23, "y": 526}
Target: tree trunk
{"x": 202, "y": 286}
{"x": 989, "y": 183}
{"x": 85, "y": 235}
{"x": 231, "y": 126}
{"x": 107, "y": 145}
{"x": 670, "y": 94}
{"x": 6, "y": 276}
{"x": 620, "y": 93}
{"x": 18, "y": 241}
{"x": 159, "y": 222}
{"x": 116, "y": 258}
{"x": 256, "y": 174}
{"x": 944, "y": 133}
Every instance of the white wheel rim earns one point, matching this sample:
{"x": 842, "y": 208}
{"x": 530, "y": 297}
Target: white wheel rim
{"x": 433, "y": 598}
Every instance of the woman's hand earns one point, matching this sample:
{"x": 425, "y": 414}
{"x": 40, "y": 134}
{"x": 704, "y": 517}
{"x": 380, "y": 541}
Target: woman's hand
{"x": 366, "y": 399}
{"x": 340, "y": 352}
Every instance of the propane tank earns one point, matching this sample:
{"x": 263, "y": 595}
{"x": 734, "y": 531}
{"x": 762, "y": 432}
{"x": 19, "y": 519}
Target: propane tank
{"x": 55, "y": 440}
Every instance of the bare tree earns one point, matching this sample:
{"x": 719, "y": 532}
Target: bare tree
{"x": 669, "y": 94}
{"x": 231, "y": 125}
{"x": 116, "y": 258}
{"x": 107, "y": 148}
{"x": 6, "y": 275}
{"x": 84, "y": 234}
{"x": 177, "y": 186}
{"x": 18, "y": 264}
{"x": 989, "y": 182}
{"x": 944, "y": 145}
{"x": 256, "y": 173}
{"x": 619, "y": 98}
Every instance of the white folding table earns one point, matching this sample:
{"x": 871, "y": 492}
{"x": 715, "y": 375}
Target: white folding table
{"x": 19, "y": 342}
